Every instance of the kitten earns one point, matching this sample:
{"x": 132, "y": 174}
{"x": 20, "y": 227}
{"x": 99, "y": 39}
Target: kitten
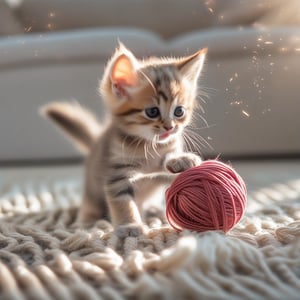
{"x": 141, "y": 147}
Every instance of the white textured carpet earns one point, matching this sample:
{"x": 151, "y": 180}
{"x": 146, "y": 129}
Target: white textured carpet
{"x": 45, "y": 254}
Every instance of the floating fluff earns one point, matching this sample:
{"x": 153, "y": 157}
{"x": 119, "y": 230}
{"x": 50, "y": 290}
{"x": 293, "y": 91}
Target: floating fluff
{"x": 211, "y": 196}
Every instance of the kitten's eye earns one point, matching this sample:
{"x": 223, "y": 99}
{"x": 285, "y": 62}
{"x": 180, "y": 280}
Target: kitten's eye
{"x": 152, "y": 112}
{"x": 179, "y": 112}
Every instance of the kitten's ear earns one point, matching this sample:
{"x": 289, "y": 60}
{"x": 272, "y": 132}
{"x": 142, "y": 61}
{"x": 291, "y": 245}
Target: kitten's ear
{"x": 123, "y": 72}
{"x": 191, "y": 66}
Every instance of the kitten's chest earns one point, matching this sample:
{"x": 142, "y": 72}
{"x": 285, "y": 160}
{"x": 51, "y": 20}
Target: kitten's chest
{"x": 148, "y": 159}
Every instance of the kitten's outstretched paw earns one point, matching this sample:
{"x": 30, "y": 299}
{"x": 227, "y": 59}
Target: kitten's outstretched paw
{"x": 133, "y": 230}
{"x": 180, "y": 163}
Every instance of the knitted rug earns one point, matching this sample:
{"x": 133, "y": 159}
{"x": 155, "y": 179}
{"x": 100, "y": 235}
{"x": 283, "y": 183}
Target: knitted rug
{"x": 46, "y": 254}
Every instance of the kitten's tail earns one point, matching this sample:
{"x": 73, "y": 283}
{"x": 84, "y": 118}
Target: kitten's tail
{"x": 80, "y": 124}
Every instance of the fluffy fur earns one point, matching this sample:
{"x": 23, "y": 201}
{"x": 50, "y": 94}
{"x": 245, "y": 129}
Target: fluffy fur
{"x": 141, "y": 148}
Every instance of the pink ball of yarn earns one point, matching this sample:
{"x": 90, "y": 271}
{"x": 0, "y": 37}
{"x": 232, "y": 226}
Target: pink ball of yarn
{"x": 211, "y": 196}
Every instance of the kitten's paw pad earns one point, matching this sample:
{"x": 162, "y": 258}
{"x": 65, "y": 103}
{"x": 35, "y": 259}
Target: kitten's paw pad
{"x": 127, "y": 230}
{"x": 182, "y": 162}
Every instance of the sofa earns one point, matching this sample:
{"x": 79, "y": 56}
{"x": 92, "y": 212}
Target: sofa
{"x": 61, "y": 52}
{"x": 56, "y": 51}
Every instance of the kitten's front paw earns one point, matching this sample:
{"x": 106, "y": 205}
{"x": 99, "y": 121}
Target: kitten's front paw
{"x": 133, "y": 229}
{"x": 180, "y": 163}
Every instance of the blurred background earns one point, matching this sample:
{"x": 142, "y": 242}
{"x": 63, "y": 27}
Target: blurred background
{"x": 56, "y": 50}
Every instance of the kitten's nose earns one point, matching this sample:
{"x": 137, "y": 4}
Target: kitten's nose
{"x": 168, "y": 124}
{"x": 168, "y": 127}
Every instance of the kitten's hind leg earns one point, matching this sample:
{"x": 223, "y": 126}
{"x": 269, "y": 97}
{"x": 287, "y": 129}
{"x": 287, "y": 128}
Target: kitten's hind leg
{"x": 92, "y": 210}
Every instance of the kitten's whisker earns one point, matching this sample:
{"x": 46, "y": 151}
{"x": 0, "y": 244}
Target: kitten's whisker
{"x": 205, "y": 92}
{"x": 154, "y": 144}
{"x": 149, "y": 152}
{"x": 201, "y": 128}
{"x": 153, "y": 148}
{"x": 201, "y": 118}
{"x": 192, "y": 140}
{"x": 187, "y": 144}
{"x": 192, "y": 145}
{"x": 123, "y": 145}
{"x": 149, "y": 81}
{"x": 198, "y": 138}
{"x": 137, "y": 143}
{"x": 198, "y": 146}
{"x": 145, "y": 151}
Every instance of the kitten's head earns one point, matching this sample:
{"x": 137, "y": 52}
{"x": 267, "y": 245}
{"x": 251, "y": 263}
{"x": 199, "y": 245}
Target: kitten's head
{"x": 151, "y": 99}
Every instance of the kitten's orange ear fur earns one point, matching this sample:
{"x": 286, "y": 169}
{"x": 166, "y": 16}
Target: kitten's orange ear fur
{"x": 191, "y": 66}
{"x": 123, "y": 71}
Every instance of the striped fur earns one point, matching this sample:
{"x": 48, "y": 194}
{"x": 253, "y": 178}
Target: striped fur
{"x": 81, "y": 126}
{"x": 138, "y": 151}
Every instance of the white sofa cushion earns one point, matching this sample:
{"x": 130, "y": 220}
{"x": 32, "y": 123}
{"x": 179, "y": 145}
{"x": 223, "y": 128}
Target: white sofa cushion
{"x": 251, "y": 77}
{"x": 9, "y": 23}
{"x": 160, "y": 16}
{"x": 168, "y": 18}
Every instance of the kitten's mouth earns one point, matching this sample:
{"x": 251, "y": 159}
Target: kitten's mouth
{"x": 166, "y": 135}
